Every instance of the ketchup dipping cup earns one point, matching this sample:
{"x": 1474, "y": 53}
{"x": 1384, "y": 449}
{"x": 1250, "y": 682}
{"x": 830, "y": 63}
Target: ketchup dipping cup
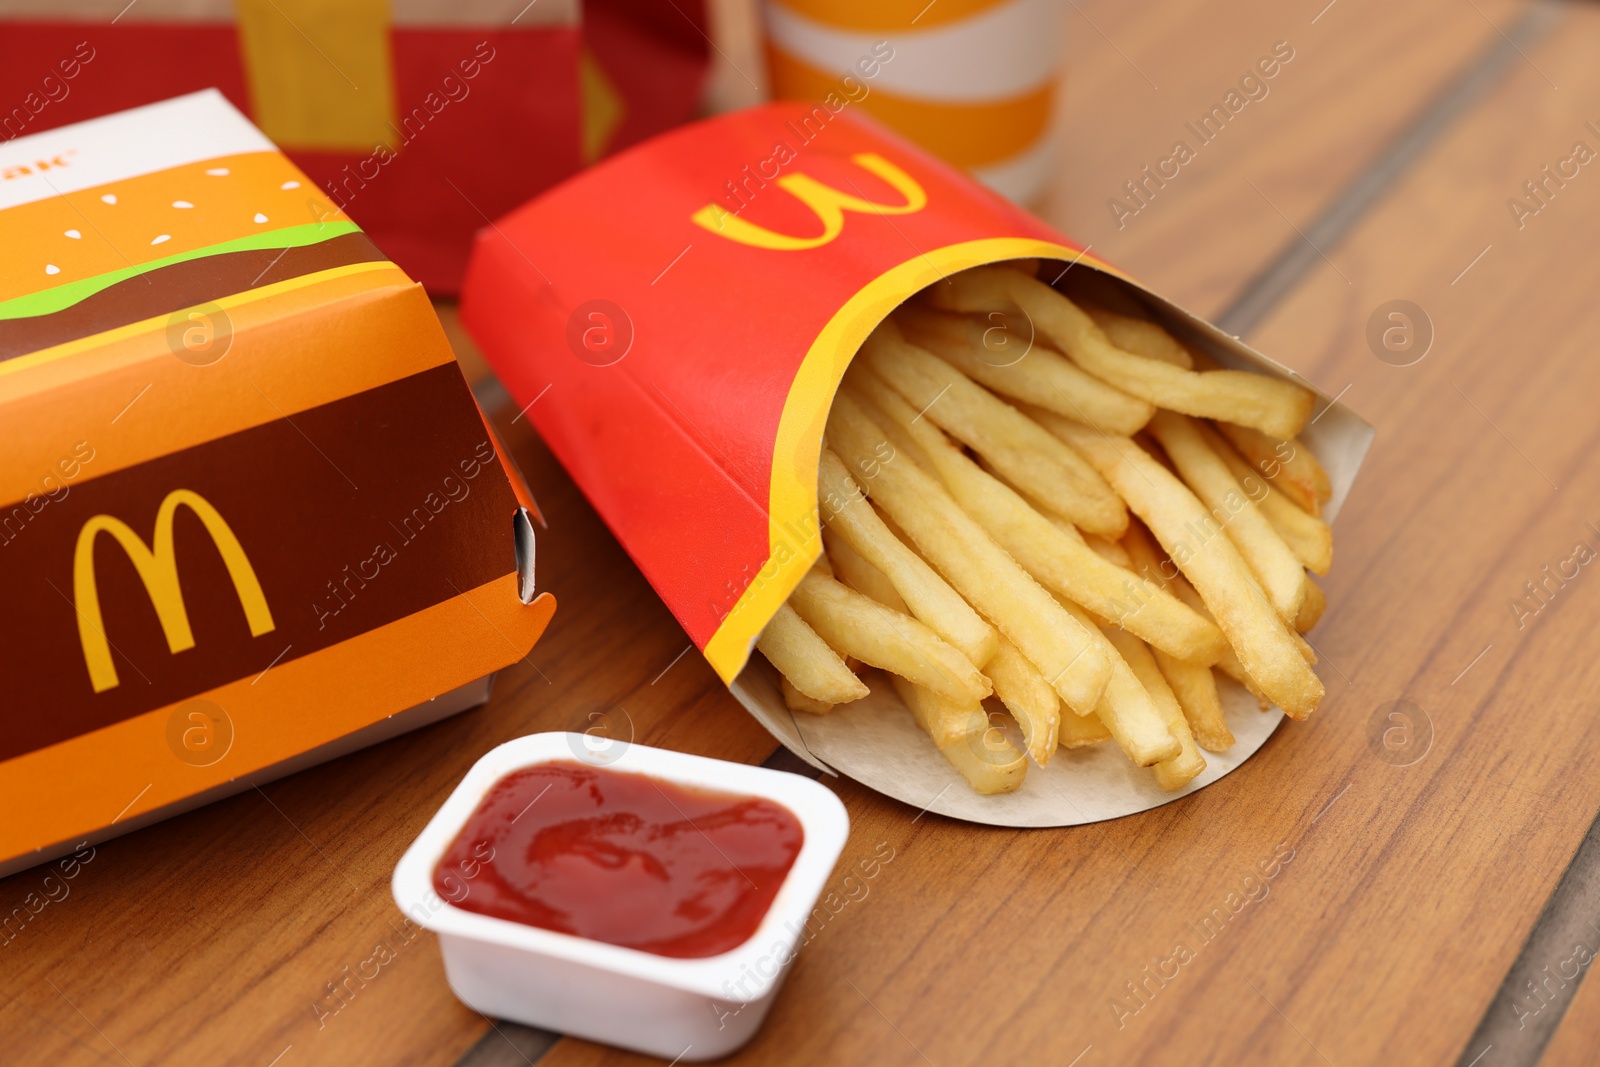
{"x": 676, "y": 1006}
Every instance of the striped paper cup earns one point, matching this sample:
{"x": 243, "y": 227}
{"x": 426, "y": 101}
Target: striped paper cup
{"x": 973, "y": 81}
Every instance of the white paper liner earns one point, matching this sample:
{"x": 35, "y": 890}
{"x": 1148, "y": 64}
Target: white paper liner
{"x": 876, "y": 741}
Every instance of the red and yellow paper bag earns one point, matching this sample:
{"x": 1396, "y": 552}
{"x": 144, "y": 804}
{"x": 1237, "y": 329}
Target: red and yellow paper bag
{"x": 683, "y": 314}
{"x": 250, "y": 514}
{"x": 420, "y": 118}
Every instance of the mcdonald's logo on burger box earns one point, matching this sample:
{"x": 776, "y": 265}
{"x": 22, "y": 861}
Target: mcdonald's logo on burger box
{"x": 250, "y": 515}
{"x": 691, "y": 306}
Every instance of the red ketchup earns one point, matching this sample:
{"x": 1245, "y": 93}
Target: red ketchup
{"x": 621, "y": 858}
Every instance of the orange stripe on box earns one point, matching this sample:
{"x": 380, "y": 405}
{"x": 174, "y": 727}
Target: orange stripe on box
{"x": 968, "y": 135}
{"x": 67, "y": 790}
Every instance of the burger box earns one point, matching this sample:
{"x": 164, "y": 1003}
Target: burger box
{"x": 422, "y": 117}
{"x": 251, "y": 517}
{"x": 690, "y": 307}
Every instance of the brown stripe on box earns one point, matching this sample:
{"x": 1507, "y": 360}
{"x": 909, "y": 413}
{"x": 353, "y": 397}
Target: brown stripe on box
{"x": 359, "y": 512}
{"x": 180, "y": 285}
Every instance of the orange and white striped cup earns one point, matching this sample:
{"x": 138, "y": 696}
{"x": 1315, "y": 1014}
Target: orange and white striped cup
{"x": 972, "y": 81}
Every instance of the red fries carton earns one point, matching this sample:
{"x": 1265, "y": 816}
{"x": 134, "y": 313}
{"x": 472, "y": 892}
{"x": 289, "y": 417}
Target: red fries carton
{"x": 250, "y": 516}
{"x": 678, "y": 320}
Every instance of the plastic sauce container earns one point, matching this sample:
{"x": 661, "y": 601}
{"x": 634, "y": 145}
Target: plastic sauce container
{"x": 634, "y": 896}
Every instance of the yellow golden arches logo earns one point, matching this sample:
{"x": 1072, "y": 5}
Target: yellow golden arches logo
{"x": 826, "y": 202}
{"x": 158, "y": 570}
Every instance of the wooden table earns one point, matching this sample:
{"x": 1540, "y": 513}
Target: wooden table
{"x": 1419, "y": 895}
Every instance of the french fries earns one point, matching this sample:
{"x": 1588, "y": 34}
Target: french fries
{"x": 1289, "y": 465}
{"x": 1139, "y": 336}
{"x": 1179, "y": 586}
{"x": 1280, "y": 573}
{"x": 1314, "y": 603}
{"x": 1126, "y": 710}
{"x": 1062, "y": 563}
{"x": 846, "y": 512}
{"x": 1110, "y": 551}
{"x": 1061, "y": 533}
{"x": 1029, "y": 698}
{"x": 1042, "y": 376}
{"x": 795, "y": 700}
{"x": 1270, "y": 405}
{"x": 1180, "y": 769}
{"x": 1133, "y": 720}
{"x": 1082, "y": 731}
{"x": 813, "y": 668}
{"x": 967, "y": 738}
{"x": 972, "y": 563}
{"x": 1194, "y": 538}
{"x": 858, "y": 574}
{"x": 1194, "y": 686}
{"x": 858, "y": 626}
{"x": 993, "y": 428}
{"x": 1308, "y": 536}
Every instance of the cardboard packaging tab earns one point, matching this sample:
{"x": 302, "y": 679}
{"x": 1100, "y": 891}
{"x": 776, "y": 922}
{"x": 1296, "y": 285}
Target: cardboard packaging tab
{"x": 250, "y": 515}
{"x": 684, "y": 312}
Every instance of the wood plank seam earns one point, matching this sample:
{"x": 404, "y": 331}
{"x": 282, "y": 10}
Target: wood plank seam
{"x": 1531, "y": 1002}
